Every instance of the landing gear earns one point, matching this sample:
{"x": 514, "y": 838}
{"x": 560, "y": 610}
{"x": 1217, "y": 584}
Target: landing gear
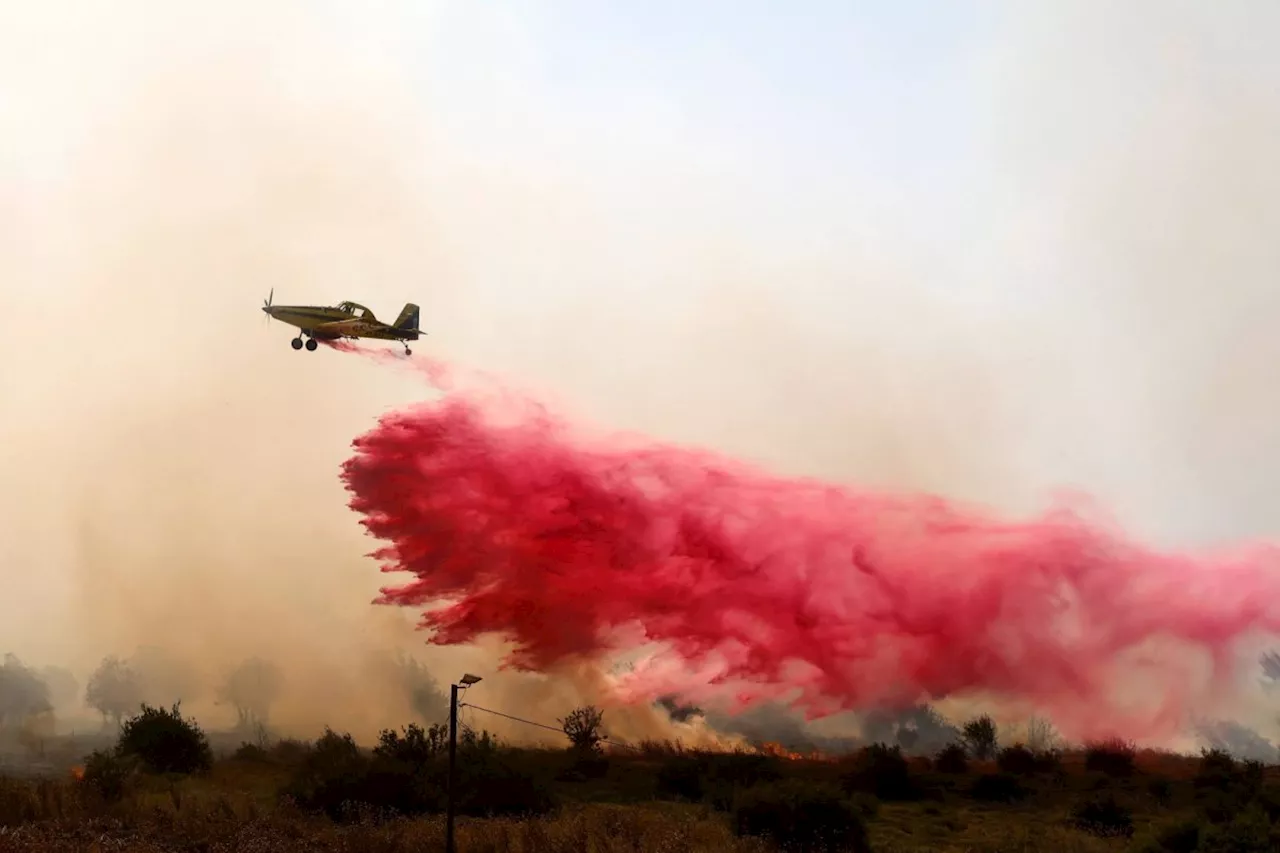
{"x": 408, "y": 351}
{"x": 296, "y": 343}
{"x": 311, "y": 345}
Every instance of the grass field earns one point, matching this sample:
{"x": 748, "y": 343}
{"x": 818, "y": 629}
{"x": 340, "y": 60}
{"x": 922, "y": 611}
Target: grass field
{"x": 330, "y": 796}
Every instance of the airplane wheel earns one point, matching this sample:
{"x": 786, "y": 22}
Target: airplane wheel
{"x": 296, "y": 343}
{"x": 408, "y": 351}
{"x": 311, "y": 344}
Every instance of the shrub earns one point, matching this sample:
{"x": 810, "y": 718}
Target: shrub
{"x": 1161, "y": 791}
{"x": 997, "y": 788}
{"x": 883, "y": 771}
{"x": 680, "y": 778}
{"x": 1018, "y": 760}
{"x": 1114, "y": 757}
{"x": 416, "y": 746}
{"x": 1248, "y": 832}
{"x": 495, "y": 788}
{"x": 1179, "y": 837}
{"x": 403, "y": 777}
{"x": 164, "y": 742}
{"x": 334, "y": 775}
{"x": 108, "y": 774}
{"x": 1217, "y": 770}
{"x": 952, "y": 759}
{"x": 724, "y": 774}
{"x": 583, "y": 766}
{"x": 795, "y": 815}
{"x": 250, "y": 752}
{"x": 1103, "y": 816}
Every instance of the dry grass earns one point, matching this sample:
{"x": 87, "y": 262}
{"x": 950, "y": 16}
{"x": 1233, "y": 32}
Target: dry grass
{"x": 237, "y": 808}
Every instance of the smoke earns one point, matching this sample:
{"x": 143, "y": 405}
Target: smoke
{"x": 168, "y": 462}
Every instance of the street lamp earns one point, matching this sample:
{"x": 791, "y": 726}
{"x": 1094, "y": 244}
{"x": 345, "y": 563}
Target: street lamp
{"x": 466, "y": 681}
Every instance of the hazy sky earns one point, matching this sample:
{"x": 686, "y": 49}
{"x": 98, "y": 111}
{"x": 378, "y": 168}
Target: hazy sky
{"x": 987, "y": 249}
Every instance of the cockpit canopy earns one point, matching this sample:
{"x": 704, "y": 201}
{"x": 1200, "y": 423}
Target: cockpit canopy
{"x": 355, "y": 309}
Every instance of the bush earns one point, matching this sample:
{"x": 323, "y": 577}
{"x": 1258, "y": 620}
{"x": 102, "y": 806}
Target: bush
{"x": 164, "y": 742}
{"x": 416, "y": 746}
{"x": 795, "y": 815}
{"x": 680, "y": 778}
{"x": 1114, "y": 757}
{"x": 1248, "y": 832}
{"x": 952, "y": 759}
{"x": 725, "y": 774}
{"x": 1180, "y": 837}
{"x": 1104, "y": 817}
{"x": 497, "y": 789}
{"x": 1161, "y": 791}
{"x": 250, "y": 752}
{"x": 584, "y": 766}
{"x": 334, "y": 776}
{"x": 1018, "y": 760}
{"x": 1217, "y": 770}
{"x": 404, "y": 776}
{"x": 108, "y": 774}
{"x": 997, "y": 788}
{"x": 882, "y": 771}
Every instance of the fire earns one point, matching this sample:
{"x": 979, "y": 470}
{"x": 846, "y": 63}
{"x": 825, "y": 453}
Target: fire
{"x": 77, "y": 773}
{"x": 780, "y": 751}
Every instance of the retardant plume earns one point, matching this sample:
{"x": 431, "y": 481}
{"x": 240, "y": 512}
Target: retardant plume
{"x": 572, "y": 546}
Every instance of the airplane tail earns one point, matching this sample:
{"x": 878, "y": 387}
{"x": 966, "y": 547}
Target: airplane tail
{"x": 408, "y": 319}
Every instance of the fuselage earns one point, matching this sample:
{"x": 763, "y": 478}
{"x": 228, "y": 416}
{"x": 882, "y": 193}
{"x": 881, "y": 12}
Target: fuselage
{"x": 330, "y": 323}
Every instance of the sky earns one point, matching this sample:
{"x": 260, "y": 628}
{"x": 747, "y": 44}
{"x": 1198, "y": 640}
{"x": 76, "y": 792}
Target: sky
{"x": 992, "y": 250}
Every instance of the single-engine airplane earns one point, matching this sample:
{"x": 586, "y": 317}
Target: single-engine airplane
{"x": 344, "y": 320}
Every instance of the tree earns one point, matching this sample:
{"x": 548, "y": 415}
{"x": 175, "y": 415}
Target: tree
{"x": 114, "y": 689}
{"x": 980, "y": 737}
{"x": 23, "y": 695}
{"x": 252, "y": 688}
{"x": 582, "y": 727}
{"x": 165, "y": 742}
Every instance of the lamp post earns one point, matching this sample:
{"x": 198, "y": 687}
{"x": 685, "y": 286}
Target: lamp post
{"x": 466, "y": 681}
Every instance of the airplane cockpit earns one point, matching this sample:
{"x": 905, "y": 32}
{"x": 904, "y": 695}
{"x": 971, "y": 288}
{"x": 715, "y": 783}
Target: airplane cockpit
{"x": 353, "y": 309}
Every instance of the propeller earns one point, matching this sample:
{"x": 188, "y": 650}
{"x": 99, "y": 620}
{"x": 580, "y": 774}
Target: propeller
{"x": 266, "y": 307}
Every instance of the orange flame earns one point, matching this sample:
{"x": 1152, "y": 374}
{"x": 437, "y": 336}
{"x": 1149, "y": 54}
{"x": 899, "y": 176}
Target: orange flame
{"x": 77, "y": 773}
{"x": 780, "y": 751}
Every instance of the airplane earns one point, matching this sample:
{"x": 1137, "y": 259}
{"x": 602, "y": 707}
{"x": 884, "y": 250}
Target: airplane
{"x": 344, "y": 320}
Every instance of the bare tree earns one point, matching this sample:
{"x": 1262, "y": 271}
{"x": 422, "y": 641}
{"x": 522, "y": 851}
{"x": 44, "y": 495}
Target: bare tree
{"x": 1042, "y": 736}
{"x": 582, "y": 727}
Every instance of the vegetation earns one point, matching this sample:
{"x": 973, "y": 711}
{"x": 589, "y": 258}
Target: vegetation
{"x": 155, "y": 782}
{"x": 159, "y": 788}
{"x": 165, "y": 742}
